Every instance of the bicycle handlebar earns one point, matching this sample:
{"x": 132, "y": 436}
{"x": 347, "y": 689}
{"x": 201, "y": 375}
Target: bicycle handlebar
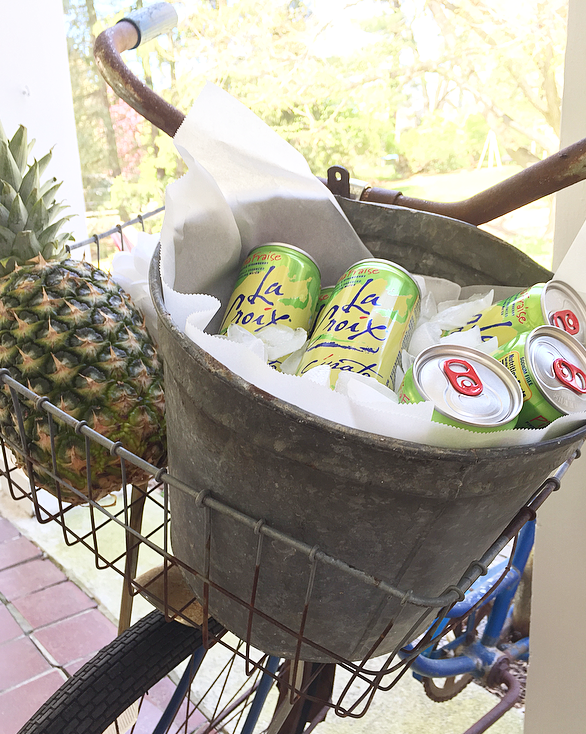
{"x": 136, "y": 28}
{"x": 152, "y": 21}
{"x": 548, "y": 176}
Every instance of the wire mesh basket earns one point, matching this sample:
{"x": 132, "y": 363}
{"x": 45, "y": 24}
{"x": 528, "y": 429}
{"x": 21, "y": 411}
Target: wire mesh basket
{"x": 363, "y": 678}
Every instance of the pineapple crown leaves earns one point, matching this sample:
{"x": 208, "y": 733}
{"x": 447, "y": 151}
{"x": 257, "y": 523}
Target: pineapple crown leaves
{"x": 29, "y": 224}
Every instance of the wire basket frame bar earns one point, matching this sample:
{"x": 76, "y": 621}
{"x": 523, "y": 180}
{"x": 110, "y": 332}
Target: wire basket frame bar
{"x": 96, "y": 239}
{"x": 453, "y": 594}
{"x": 117, "y": 228}
{"x": 362, "y": 673}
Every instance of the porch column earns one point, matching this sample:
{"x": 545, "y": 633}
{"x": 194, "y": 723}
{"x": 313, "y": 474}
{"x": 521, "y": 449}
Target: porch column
{"x": 35, "y": 91}
{"x": 556, "y": 685}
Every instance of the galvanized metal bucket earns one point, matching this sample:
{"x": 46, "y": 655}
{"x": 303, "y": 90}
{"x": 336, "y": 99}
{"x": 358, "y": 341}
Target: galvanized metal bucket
{"x": 407, "y": 513}
{"x": 412, "y": 515}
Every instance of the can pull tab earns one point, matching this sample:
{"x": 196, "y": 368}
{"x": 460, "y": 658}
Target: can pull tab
{"x": 566, "y": 320}
{"x": 570, "y": 376}
{"x": 463, "y": 377}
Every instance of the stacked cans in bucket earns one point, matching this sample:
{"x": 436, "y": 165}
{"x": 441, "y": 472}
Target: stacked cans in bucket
{"x": 363, "y": 322}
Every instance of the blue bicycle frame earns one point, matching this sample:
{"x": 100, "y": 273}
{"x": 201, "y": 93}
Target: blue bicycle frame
{"x": 469, "y": 654}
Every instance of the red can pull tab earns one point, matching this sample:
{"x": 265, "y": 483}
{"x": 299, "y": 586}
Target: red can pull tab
{"x": 462, "y": 377}
{"x": 566, "y": 320}
{"x": 570, "y": 376}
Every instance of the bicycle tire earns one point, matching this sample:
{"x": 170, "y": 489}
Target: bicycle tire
{"x": 118, "y": 675}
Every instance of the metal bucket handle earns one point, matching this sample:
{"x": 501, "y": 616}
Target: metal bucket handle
{"x": 545, "y": 177}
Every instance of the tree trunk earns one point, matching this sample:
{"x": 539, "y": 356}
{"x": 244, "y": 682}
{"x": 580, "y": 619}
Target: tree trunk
{"x": 102, "y": 95}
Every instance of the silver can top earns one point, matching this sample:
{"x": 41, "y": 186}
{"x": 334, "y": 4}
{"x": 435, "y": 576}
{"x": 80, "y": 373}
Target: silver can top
{"x": 467, "y": 385}
{"x": 557, "y": 362}
{"x": 563, "y": 307}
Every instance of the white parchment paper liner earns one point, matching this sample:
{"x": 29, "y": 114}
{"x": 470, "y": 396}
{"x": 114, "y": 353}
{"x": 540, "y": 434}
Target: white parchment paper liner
{"x": 246, "y": 186}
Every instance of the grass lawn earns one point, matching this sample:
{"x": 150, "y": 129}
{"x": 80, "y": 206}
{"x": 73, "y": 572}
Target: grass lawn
{"x": 527, "y": 228}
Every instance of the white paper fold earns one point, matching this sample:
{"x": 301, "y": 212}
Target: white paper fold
{"x": 356, "y": 404}
{"x": 130, "y": 269}
{"x": 246, "y": 186}
{"x": 268, "y": 194}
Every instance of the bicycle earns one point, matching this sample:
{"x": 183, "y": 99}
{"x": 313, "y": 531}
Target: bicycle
{"x": 145, "y": 653}
{"x": 106, "y": 687}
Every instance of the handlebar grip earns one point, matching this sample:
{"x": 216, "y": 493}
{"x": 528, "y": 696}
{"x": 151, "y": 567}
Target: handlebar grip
{"x": 151, "y": 21}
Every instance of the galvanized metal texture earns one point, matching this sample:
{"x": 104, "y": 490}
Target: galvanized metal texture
{"x": 377, "y": 675}
{"x": 411, "y": 516}
{"x": 431, "y": 244}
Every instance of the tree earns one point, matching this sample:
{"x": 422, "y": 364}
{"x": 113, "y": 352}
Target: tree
{"x": 95, "y": 127}
{"x": 509, "y": 58}
{"x": 421, "y": 80}
{"x": 333, "y": 108}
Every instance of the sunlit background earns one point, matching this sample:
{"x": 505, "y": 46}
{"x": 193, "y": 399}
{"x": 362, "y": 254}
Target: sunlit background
{"x": 438, "y": 99}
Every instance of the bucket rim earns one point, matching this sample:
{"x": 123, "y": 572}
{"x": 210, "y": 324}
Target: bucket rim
{"x": 371, "y": 440}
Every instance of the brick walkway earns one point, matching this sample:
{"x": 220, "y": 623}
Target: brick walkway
{"x": 48, "y": 629}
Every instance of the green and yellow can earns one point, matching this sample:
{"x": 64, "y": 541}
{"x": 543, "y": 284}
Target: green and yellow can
{"x": 368, "y": 319}
{"x": 324, "y": 296}
{"x": 278, "y": 284}
{"x": 554, "y": 303}
{"x": 550, "y": 367}
{"x": 469, "y": 389}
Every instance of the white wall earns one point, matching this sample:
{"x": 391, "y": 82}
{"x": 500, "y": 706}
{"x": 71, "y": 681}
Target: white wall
{"x": 556, "y": 684}
{"x": 35, "y": 91}
{"x": 571, "y": 202}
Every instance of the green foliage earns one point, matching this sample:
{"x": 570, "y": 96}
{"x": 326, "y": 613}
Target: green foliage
{"x": 143, "y": 188}
{"x": 424, "y": 81}
{"x": 440, "y": 145}
{"x": 332, "y": 108}
{"x": 91, "y": 102}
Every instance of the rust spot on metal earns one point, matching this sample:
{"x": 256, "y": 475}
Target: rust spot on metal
{"x": 254, "y": 390}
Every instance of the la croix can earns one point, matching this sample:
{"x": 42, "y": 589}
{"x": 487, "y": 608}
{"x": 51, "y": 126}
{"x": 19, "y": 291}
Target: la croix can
{"x": 368, "y": 319}
{"x": 554, "y": 303}
{"x": 469, "y": 389}
{"x": 278, "y": 284}
{"x": 324, "y": 296}
{"x": 550, "y": 367}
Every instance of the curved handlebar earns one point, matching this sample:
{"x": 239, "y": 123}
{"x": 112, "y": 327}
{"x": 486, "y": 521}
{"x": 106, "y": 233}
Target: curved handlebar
{"x": 129, "y": 33}
{"x": 152, "y": 21}
{"x": 541, "y": 179}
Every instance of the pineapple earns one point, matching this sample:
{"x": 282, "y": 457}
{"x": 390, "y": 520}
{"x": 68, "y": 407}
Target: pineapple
{"x": 69, "y": 333}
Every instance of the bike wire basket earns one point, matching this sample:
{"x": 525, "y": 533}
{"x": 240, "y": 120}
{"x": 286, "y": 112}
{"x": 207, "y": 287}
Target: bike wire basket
{"x": 362, "y": 678}
{"x": 198, "y": 390}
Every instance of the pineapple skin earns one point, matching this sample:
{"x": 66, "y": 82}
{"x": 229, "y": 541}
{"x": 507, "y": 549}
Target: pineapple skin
{"x": 68, "y": 332}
